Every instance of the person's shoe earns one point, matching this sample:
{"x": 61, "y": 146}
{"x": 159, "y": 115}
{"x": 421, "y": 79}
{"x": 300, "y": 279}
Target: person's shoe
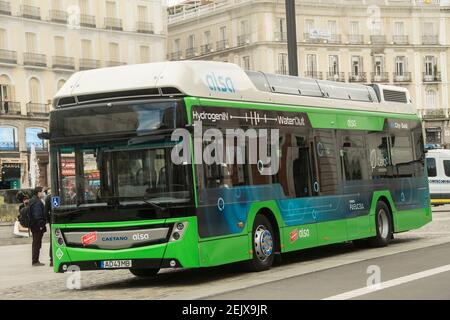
{"x": 38, "y": 264}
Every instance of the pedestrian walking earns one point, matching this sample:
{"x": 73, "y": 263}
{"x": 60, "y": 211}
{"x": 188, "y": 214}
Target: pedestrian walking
{"x": 38, "y": 222}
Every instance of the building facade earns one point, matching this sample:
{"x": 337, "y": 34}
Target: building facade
{"x": 400, "y": 42}
{"x": 42, "y": 43}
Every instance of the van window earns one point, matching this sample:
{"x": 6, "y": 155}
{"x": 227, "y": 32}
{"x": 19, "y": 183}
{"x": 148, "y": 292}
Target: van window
{"x": 431, "y": 167}
{"x": 447, "y": 167}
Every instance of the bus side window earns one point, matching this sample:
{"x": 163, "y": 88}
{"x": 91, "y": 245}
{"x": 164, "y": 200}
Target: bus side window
{"x": 447, "y": 167}
{"x": 431, "y": 167}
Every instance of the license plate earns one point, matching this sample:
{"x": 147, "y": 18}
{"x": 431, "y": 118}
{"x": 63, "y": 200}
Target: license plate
{"x": 116, "y": 264}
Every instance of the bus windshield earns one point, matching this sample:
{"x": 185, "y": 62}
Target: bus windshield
{"x": 102, "y": 175}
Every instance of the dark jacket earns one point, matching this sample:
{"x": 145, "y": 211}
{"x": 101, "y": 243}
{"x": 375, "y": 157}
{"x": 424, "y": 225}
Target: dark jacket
{"x": 37, "y": 213}
{"x": 48, "y": 208}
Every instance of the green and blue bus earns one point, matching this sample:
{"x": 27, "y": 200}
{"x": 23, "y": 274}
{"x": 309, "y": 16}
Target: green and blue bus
{"x": 351, "y": 167}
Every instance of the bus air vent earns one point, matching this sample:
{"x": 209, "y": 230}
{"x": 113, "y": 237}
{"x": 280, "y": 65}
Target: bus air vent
{"x": 395, "y": 96}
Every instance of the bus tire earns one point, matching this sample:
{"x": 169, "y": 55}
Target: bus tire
{"x": 383, "y": 226}
{"x": 263, "y": 245}
{"x": 144, "y": 273}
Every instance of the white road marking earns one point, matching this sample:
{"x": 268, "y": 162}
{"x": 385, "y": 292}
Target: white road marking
{"x": 390, "y": 283}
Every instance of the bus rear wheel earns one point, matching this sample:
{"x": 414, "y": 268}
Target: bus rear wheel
{"x": 144, "y": 273}
{"x": 263, "y": 245}
{"x": 383, "y": 223}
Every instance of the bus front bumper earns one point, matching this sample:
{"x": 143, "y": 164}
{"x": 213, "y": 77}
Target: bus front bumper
{"x": 180, "y": 253}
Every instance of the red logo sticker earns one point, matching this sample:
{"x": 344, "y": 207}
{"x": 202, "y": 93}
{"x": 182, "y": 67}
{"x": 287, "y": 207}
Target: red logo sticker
{"x": 89, "y": 238}
{"x": 293, "y": 235}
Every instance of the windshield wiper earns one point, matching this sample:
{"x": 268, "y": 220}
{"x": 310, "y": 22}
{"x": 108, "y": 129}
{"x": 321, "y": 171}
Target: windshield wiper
{"x": 146, "y": 201}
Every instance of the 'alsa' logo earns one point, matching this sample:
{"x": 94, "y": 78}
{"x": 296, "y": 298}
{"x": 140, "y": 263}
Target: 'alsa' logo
{"x": 219, "y": 83}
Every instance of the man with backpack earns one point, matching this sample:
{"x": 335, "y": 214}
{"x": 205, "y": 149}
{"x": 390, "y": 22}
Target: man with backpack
{"x": 37, "y": 224}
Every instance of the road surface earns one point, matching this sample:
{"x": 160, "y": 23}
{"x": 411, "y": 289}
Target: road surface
{"x": 415, "y": 266}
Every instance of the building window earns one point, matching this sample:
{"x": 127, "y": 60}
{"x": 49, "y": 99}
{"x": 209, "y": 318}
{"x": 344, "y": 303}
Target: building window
{"x": 207, "y": 37}
{"x": 332, "y": 27}
{"x": 354, "y": 27}
{"x": 282, "y": 63}
{"x": 142, "y": 14}
{"x": 31, "y": 42}
{"x": 223, "y": 33}
{"x": 399, "y": 28}
{"x": 311, "y": 65}
{"x": 6, "y": 92}
{"x": 114, "y": 55}
{"x": 111, "y": 9}
{"x": 333, "y": 65}
{"x": 3, "y": 40}
{"x": 8, "y": 139}
{"x": 430, "y": 97}
{"x": 191, "y": 41}
{"x": 145, "y": 54}
{"x": 31, "y": 138}
{"x": 84, "y": 7}
{"x": 357, "y": 64}
{"x": 309, "y": 25}
{"x": 35, "y": 91}
{"x": 86, "y": 49}
{"x": 60, "y": 46}
{"x": 246, "y": 63}
{"x": 430, "y": 66}
{"x": 400, "y": 65}
{"x": 378, "y": 65}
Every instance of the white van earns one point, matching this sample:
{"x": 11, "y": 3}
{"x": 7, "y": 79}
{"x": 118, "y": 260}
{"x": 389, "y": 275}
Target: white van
{"x": 438, "y": 166}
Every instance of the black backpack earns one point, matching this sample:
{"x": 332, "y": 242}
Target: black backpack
{"x": 25, "y": 216}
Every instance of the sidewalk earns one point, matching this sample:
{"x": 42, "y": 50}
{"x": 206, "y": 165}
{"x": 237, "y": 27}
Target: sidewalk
{"x": 8, "y": 238}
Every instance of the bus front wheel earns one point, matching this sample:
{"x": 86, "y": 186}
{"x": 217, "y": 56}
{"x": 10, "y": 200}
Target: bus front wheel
{"x": 383, "y": 223}
{"x": 263, "y": 245}
{"x": 144, "y": 273}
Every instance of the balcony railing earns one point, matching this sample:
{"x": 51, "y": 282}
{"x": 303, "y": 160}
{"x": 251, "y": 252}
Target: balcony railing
{"x": 430, "y": 39}
{"x": 314, "y": 74}
{"x": 356, "y": 39}
{"x": 311, "y": 38}
{"x": 380, "y": 77}
{"x": 222, "y": 45}
{"x": 5, "y": 8}
{"x": 281, "y": 36}
{"x": 144, "y": 27}
{"x": 378, "y": 39}
{"x": 434, "y": 77}
{"x": 87, "y": 21}
{"x": 283, "y": 71}
{"x": 87, "y": 64}
{"x": 34, "y": 59}
{"x": 9, "y": 146}
{"x": 37, "y": 108}
{"x": 336, "y": 76}
{"x": 60, "y": 62}
{"x": 402, "y": 77}
{"x": 10, "y": 108}
{"x": 400, "y": 39}
{"x": 206, "y": 48}
{"x": 243, "y": 39}
{"x": 357, "y": 77}
{"x": 115, "y": 63}
{"x": 8, "y": 56}
{"x": 433, "y": 113}
{"x": 30, "y": 12}
{"x": 191, "y": 52}
{"x": 113, "y": 24}
{"x": 334, "y": 39}
{"x": 58, "y": 16}
{"x": 176, "y": 55}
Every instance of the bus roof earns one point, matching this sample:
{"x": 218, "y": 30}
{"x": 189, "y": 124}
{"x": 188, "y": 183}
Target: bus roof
{"x": 220, "y": 80}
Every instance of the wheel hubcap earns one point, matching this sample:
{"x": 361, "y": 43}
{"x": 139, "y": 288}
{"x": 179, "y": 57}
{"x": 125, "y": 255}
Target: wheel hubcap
{"x": 383, "y": 224}
{"x": 263, "y": 242}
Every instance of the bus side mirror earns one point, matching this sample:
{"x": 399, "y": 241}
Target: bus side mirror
{"x": 44, "y": 135}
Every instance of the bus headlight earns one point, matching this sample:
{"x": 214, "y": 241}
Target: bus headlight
{"x": 59, "y": 237}
{"x": 178, "y": 231}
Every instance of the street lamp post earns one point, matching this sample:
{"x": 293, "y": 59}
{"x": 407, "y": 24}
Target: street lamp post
{"x": 291, "y": 37}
